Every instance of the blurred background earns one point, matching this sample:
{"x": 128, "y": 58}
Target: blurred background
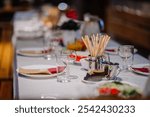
{"x": 127, "y": 21}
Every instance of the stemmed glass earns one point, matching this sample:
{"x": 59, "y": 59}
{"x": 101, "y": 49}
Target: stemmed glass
{"x": 125, "y": 52}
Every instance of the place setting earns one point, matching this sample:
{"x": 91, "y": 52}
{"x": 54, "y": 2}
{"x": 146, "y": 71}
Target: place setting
{"x": 61, "y": 58}
{"x": 141, "y": 69}
{"x": 40, "y": 71}
{"x": 127, "y": 52}
{"x": 32, "y": 52}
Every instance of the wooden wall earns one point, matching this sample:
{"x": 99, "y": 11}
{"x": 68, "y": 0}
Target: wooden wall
{"x": 6, "y": 59}
{"x": 129, "y": 27}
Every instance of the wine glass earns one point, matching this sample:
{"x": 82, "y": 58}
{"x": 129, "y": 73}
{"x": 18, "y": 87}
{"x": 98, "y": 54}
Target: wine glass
{"x": 125, "y": 52}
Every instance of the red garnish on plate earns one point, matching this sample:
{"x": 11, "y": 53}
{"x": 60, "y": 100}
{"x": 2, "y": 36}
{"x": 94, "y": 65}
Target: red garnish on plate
{"x": 104, "y": 91}
{"x": 114, "y": 91}
{"x": 109, "y": 91}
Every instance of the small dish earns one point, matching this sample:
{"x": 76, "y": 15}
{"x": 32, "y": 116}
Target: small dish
{"x": 143, "y": 69}
{"x": 93, "y": 82}
{"x": 121, "y": 89}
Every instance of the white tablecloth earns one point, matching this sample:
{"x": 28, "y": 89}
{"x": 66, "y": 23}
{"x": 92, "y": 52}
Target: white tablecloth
{"x": 28, "y": 88}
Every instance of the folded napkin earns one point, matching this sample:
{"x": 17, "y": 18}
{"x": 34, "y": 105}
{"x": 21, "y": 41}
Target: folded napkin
{"x": 110, "y": 50}
{"x": 145, "y": 70}
{"x": 54, "y": 70}
{"x": 41, "y": 71}
{"x": 77, "y": 57}
{"x": 35, "y": 51}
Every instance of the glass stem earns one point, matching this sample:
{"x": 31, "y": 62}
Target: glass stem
{"x": 124, "y": 66}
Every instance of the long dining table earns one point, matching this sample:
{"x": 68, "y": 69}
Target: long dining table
{"x": 26, "y": 87}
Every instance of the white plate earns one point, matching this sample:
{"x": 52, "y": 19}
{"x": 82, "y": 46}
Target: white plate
{"x": 140, "y": 66}
{"x": 40, "y": 67}
{"x": 19, "y": 51}
{"x": 93, "y": 82}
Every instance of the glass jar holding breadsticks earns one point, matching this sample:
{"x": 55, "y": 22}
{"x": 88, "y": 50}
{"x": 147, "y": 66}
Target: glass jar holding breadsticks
{"x": 96, "y": 45}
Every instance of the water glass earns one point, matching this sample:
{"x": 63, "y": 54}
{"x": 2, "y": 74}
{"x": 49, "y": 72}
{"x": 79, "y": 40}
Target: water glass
{"x": 126, "y": 52}
{"x": 72, "y": 60}
{"x": 51, "y": 47}
{"x": 62, "y": 60}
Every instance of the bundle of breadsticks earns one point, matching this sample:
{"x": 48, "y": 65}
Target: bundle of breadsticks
{"x": 96, "y": 44}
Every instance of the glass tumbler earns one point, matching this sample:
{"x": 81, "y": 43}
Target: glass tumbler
{"x": 62, "y": 60}
{"x": 126, "y": 52}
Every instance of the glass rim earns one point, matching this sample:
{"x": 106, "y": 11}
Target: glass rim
{"x": 126, "y": 46}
